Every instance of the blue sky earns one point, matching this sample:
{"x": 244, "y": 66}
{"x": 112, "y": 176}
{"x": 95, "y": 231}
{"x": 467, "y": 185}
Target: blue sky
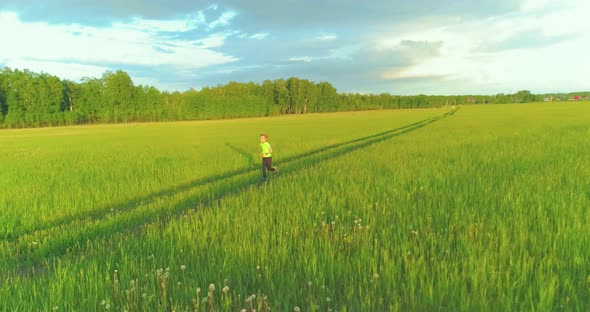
{"x": 393, "y": 46}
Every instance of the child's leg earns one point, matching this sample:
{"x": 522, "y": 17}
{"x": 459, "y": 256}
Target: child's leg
{"x": 264, "y": 168}
{"x": 269, "y": 164}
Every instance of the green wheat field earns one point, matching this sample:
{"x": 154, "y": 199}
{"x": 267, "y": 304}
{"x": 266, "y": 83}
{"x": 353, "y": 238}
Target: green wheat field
{"x": 471, "y": 208}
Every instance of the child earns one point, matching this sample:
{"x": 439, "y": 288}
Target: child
{"x": 266, "y": 156}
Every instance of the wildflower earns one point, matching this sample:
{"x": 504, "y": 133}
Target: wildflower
{"x": 225, "y": 289}
{"x": 179, "y": 284}
{"x": 107, "y": 306}
{"x": 55, "y": 308}
{"x": 205, "y": 300}
{"x": 103, "y": 302}
{"x": 212, "y": 287}
{"x": 143, "y": 295}
{"x": 309, "y": 283}
{"x": 296, "y": 309}
{"x": 376, "y": 275}
{"x": 328, "y": 299}
{"x": 183, "y": 267}
{"x": 257, "y": 267}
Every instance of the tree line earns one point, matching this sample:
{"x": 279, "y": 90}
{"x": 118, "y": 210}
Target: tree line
{"x": 29, "y": 99}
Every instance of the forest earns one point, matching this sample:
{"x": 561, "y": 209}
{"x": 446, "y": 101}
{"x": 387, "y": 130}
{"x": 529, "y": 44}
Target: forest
{"x": 29, "y": 99}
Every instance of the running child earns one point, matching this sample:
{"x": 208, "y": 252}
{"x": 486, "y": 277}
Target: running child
{"x": 266, "y": 155}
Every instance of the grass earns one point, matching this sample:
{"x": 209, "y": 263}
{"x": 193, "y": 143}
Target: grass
{"x": 480, "y": 208}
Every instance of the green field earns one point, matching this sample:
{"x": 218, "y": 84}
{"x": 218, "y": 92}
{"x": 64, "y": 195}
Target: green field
{"x": 474, "y": 208}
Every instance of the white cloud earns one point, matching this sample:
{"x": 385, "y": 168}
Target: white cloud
{"x": 70, "y": 50}
{"x": 305, "y": 59}
{"x": 557, "y": 65}
{"x": 223, "y": 20}
{"x": 326, "y": 37}
{"x": 259, "y": 36}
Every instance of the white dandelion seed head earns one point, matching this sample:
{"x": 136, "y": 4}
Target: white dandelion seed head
{"x": 212, "y": 287}
{"x": 376, "y": 275}
{"x": 225, "y": 289}
{"x": 183, "y": 267}
{"x": 296, "y": 309}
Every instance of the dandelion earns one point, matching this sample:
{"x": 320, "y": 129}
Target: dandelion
{"x": 107, "y": 306}
{"x": 144, "y": 295}
{"x": 55, "y": 308}
{"x": 309, "y": 283}
{"x": 328, "y": 299}
{"x": 296, "y": 309}
{"x": 225, "y": 289}
{"x": 258, "y": 267}
{"x": 103, "y": 302}
{"x": 183, "y": 267}
{"x": 205, "y": 300}
{"x": 179, "y": 284}
{"x": 375, "y": 275}
{"x": 212, "y": 287}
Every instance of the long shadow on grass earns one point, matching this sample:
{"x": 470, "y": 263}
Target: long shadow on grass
{"x": 26, "y": 259}
{"x": 102, "y": 212}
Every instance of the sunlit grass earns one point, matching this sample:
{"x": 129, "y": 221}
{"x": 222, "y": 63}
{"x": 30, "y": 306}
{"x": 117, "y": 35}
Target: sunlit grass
{"x": 482, "y": 209}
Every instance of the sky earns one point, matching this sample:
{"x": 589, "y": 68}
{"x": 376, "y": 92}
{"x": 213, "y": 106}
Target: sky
{"x": 399, "y": 47}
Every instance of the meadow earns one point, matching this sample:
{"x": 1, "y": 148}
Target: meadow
{"x": 468, "y": 208}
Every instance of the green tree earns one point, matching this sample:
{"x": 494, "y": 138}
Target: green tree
{"x": 119, "y": 94}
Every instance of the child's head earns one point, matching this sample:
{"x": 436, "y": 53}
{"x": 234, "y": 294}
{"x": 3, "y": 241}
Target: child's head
{"x": 263, "y": 138}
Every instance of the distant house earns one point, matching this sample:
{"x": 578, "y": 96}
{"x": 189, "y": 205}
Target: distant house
{"x": 574, "y": 98}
